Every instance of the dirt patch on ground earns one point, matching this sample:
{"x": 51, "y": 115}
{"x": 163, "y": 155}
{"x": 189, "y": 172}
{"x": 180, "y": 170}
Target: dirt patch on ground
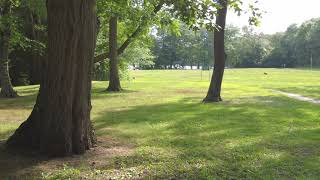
{"x": 188, "y": 91}
{"x": 16, "y": 166}
{"x": 299, "y": 97}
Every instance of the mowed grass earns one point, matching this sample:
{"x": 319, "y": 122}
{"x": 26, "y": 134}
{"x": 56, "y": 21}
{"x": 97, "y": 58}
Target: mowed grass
{"x": 160, "y": 129}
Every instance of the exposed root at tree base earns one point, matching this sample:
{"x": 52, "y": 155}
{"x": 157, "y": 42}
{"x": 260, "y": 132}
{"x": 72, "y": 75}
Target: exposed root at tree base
{"x": 188, "y": 91}
{"x": 31, "y": 136}
{"x": 8, "y": 94}
{"x": 114, "y": 89}
{"x": 212, "y": 99}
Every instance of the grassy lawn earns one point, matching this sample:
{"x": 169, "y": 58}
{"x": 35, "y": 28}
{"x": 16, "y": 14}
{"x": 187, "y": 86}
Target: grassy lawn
{"x": 159, "y": 129}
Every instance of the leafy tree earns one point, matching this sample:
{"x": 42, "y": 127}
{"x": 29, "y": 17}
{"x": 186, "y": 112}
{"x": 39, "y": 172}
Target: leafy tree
{"x": 297, "y": 46}
{"x": 139, "y": 56}
{"x": 142, "y": 12}
{"x": 247, "y": 49}
{"x": 27, "y": 40}
{"x": 35, "y": 17}
{"x": 199, "y": 14}
{"x": 5, "y": 38}
{"x": 185, "y": 48}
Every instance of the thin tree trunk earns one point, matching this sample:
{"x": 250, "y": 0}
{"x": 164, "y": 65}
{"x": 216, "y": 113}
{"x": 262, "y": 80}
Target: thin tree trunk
{"x": 214, "y": 92}
{"x": 7, "y": 90}
{"x": 114, "y": 79}
{"x": 37, "y": 59}
{"x": 59, "y": 124}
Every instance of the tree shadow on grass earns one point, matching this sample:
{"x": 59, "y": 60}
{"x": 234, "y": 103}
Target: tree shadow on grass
{"x": 21, "y": 102}
{"x": 21, "y": 164}
{"x": 98, "y": 93}
{"x": 17, "y": 165}
{"x": 26, "y": 99}
{"x": 250, "y": 138}
{"x": 247, "y": 138}
{"x": 5, "y": 134}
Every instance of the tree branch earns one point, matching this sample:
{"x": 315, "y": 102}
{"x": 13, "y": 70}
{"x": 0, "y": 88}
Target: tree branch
{"x": 131, "y": 38}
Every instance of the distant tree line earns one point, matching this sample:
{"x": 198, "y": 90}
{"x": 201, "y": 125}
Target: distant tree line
{"x": 298, "y": 46}
{"x": 187, "y": 48}
{"x": 163, "y": 43}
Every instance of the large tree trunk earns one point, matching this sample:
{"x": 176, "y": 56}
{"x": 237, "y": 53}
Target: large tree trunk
{"x": 5, "y": 35}
{"x": 59, "y": 124}
{"x": 114, "y": 79}
{"x": 214, "y": 92}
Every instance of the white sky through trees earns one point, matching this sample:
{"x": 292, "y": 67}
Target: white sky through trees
{"x": 279, "y": 14}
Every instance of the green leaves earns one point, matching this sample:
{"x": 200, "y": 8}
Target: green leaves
{"x": 201, "y": 13}
{"x": 36, "y": 6}
{"x": 13, "y": 20}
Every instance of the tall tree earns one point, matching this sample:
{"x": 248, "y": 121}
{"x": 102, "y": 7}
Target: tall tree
{"x": 114, "y": 80}
{"x": 5, "y": 35}
{"x": 214, "y": 92}
{"x": 127, "y": 10}
{"x": 35, "y": 34}
{"x": 143, "y": 23}
{"x": 59, "y": 124}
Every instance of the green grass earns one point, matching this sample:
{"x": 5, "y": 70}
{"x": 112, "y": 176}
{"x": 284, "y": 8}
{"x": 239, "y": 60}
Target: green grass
{"x": 254, "y": 133}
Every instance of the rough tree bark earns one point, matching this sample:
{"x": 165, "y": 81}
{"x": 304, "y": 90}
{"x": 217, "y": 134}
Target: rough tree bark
{"x": 59, "y": 124}
{"x": 7, "y": 90}
{"x": 214, "y": 92}
{"x": 114, "y": 79}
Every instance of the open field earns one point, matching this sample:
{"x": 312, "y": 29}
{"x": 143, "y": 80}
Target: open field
{"x": 158, "y": 128}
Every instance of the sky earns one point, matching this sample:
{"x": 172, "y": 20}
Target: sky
{"x": 279, "y": 14}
